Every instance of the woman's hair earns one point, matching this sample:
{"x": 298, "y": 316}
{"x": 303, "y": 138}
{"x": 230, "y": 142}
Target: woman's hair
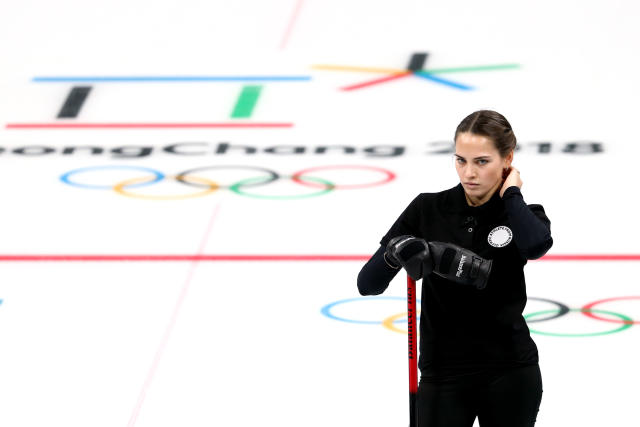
{"x": 491, "y": 124}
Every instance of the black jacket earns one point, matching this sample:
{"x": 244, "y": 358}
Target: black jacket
{"x": 463, "y": 329}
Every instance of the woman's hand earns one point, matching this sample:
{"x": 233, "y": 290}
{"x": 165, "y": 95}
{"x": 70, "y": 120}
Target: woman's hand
{"x": 512, "y": 178}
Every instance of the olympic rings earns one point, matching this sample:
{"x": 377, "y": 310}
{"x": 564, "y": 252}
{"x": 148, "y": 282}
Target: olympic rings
{"x": 271, "y": 175}
{"x": 562, "y": 310}
{"x": 587, "y": 310}
{"x": 236, "y": 189}
{"x": 327, "y": 309}
{"x": 159, "y": 176}
{"x": 390, "y": 322}
{"x": 389, "y": 176}
{"x": 209, "y": 185}
{"x": 120, "y": 189}
{"x": 593, "y": 334}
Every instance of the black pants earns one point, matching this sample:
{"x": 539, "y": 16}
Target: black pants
{"x": 499, "y": 398}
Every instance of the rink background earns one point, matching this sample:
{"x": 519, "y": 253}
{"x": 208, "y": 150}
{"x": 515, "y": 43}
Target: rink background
{"x": 163, "y": 343}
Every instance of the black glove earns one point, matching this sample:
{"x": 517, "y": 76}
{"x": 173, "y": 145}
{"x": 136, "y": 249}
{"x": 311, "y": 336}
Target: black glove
{"x": 412, "y": 253}
{"x": 459, "y": 264}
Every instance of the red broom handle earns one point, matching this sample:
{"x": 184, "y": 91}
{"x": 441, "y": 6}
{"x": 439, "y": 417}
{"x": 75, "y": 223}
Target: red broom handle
{"x": 413, "y": 351}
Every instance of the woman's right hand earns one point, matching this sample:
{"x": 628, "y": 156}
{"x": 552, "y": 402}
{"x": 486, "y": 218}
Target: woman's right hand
{"x": 510, "y": 177}
{"x": 409, "y": 252}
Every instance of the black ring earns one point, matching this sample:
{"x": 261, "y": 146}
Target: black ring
{"x": 273, "y": 175}
{"x": 563, "y": 309}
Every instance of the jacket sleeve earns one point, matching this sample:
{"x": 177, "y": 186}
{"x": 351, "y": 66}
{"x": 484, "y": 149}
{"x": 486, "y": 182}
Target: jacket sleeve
{"x": 531, "y": 227}
{"x": 376, "y": 274}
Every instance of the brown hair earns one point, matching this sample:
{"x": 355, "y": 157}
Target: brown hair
{"x": 491, "y": 124}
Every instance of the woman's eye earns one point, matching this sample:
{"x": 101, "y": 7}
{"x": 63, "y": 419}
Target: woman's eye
{"x": 481, "y": 161}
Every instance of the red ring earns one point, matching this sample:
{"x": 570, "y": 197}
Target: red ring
{"x": 586, "y": 310}
{"x": 390, "y": 176}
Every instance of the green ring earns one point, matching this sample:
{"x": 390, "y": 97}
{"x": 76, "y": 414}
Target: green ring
{"x": 620, "y": 329}
{"x": 236, "y": 189}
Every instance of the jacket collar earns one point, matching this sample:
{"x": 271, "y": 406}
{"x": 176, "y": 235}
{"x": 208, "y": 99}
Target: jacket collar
{"x": 457, "y": 202}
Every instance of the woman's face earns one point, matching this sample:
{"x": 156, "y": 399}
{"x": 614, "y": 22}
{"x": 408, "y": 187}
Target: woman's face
{"x": 478, "y": 162}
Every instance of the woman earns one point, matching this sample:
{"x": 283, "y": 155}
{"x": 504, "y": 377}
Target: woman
{"x": 477, "y": 358}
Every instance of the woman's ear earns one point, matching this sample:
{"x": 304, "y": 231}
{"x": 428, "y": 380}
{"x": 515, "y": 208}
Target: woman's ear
{"x": 510, "y": 158}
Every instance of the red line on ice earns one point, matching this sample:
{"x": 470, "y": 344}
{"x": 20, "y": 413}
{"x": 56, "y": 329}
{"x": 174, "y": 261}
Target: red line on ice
{"x": 274, "y": 257}
{"x": 23, "y": 126}
{"x": 292, "y": 22}
{"x": 172, "y": 322}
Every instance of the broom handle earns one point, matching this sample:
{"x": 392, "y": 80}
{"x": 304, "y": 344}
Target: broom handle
{"x": 413, "y": 351}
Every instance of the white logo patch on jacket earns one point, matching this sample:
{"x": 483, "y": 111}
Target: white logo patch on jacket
{"x": 500, "y": 236}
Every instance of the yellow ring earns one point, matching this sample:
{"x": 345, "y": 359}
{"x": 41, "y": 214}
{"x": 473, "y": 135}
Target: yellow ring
{"x": 388, "y": 322}
{"x": 119, "y": 188}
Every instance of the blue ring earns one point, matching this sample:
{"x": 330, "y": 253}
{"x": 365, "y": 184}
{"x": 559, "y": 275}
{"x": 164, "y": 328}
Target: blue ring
{"x": 326, "y": 310}
{"x": 159, "y": 176}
